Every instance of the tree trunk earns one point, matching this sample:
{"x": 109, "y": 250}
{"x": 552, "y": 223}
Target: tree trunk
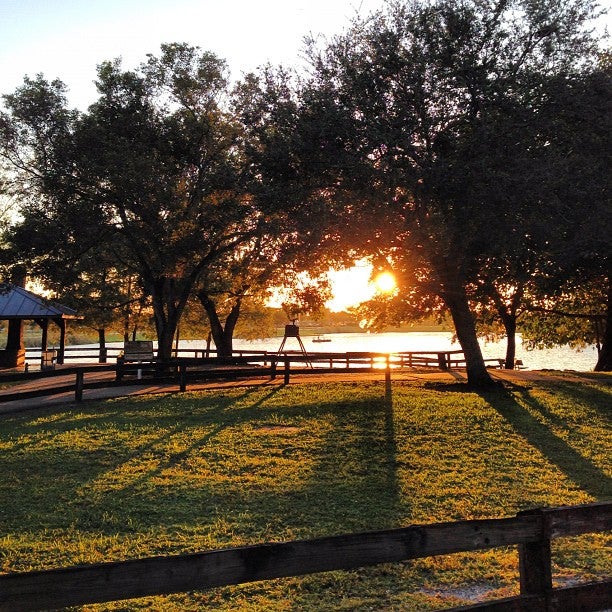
{"x": 168, "y": 297}
{"x": 223, "y": 335}
{"x": 604, "y": 359}
{"x": 166, "y": 321}
{"x": 508, "y": 317}
{"x": 456, "y": 299}
{"x": 102, "y": 342}
{"x": 509, "y": 322}
{"x": 165, "y": 338}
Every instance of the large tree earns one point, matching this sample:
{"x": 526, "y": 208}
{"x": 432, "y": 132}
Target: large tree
{"x": 584, "y": 260}
{"x": 151, "y": 170}
{"x": 407, "y": 104}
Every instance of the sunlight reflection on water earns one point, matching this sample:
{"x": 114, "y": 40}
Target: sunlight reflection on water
{"x": 561, "y": 358}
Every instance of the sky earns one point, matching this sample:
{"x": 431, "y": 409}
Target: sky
{"x": 67, "y": 39}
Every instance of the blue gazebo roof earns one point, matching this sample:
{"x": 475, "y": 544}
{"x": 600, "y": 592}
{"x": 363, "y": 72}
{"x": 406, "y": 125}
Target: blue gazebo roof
{"x": 18, "y": 303}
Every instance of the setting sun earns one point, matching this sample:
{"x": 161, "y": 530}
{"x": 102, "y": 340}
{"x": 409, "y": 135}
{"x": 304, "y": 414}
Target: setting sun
{"x": 385, "y": 282}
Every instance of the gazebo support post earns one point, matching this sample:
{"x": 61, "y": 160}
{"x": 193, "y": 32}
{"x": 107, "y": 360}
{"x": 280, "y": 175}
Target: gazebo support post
{"x": 13, "y": 356}
{"x": 14, "y": 340}
{"x": 44, "y": 325}
{"x": 60, "y": 353}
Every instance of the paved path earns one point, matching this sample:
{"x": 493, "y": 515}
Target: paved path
{"x": 145, "y": 388}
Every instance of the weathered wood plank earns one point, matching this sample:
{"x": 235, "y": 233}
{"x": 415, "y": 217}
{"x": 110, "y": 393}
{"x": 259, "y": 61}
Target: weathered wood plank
{"x": 575, "y": 520}
{"x": 535, "y": 567}
{"x": 162, "y": 575}
{"x": 587, "y": 596}
{"x": 521, "y": 603}
{"x": 138, "y": 350}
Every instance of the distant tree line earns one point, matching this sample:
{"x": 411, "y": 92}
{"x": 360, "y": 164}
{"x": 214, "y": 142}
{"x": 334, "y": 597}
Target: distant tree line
{"x": 462, "y": 144}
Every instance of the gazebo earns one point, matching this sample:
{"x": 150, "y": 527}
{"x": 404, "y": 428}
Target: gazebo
{"x": 18, "y": 305}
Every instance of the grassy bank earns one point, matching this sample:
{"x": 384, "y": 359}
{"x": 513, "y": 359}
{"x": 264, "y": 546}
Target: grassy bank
{"x": 156, "y": 475}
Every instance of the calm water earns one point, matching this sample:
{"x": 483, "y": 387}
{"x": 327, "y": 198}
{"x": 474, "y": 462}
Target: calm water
{"x": 562, "y": 358}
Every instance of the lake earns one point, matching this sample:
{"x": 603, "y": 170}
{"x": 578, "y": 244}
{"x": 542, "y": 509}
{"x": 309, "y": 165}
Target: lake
{"x": 560, "y": 358}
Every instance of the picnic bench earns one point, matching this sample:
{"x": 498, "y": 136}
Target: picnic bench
{"x": 138, "y": 352}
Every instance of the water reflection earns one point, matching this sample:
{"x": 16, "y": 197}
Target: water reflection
{"x": 560, "y": 358}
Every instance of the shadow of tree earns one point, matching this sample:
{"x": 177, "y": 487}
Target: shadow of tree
{"x": 161, "y": 477}
{"x": 573, "y": 464}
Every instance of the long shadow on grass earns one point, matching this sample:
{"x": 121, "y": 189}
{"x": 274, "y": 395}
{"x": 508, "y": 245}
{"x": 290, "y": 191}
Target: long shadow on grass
{"x": 598, "y": 398}
{"x": 356, "y": 475}
{"x": 53, "y": 462}
{"x": 339, "y": 477}
{"x": 575, "y": 466}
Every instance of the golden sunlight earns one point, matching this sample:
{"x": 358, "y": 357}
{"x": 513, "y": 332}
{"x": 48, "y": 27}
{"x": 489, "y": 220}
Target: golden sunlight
{"x": 350, "y": 287}
{"x": 385, "y": 282}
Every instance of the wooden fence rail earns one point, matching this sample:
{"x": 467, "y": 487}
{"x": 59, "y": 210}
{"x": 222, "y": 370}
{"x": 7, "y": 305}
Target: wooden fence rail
{"x": 531, "y": 530}
{"x": 444, "y": 359}
{"x": 183, "y": 370}
{"x": 243, "y": 364}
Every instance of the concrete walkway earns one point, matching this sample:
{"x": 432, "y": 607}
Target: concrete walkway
{"x": 144, "y": 387}
{"x": 66, "y": 396}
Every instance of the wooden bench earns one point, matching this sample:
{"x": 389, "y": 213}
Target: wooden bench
{"x": 136, "y": 351}
{"x": 48, "y": 359}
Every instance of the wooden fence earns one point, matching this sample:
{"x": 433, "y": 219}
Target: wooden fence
{"x": 532, "y": 531}
{"x": 441, "y": 359}
{"x": 244, "y": 364}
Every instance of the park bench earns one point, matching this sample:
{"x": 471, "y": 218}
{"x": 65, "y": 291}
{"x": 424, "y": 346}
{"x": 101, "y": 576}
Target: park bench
{"x": 48, "y": 359}
{"x": 139, "y": 352}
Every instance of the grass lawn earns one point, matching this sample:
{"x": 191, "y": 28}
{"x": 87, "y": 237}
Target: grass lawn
{"x": 123, "y": 479}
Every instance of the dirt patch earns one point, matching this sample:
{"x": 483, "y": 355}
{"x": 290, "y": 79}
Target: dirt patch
{"x": 472, "y": 593}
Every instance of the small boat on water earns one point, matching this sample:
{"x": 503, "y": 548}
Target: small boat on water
{"x": 321, "y": 339}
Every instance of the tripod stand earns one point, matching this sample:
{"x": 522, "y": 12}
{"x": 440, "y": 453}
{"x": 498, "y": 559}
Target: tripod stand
{"x": 293, "y": 331}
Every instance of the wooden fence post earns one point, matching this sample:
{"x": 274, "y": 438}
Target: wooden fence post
{"x": 78, "y": 387}
{"x": 535, "y": 562}
{"x": 183, "y": 377}
{"x": 388, "y": 370}
{"x": 287, "y": 368}
{"x": 273, "y": 369}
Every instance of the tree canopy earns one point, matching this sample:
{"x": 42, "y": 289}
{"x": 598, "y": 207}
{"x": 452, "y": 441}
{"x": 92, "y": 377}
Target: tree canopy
{"x": 426, "y": 140}
{"x": 461, "y": 143}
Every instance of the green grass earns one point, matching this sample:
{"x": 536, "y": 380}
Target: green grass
{"x": 124, "y": 479}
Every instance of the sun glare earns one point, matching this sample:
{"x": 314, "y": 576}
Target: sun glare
{"x": 350, "y": 287}
{"x": 385, "y": 282}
